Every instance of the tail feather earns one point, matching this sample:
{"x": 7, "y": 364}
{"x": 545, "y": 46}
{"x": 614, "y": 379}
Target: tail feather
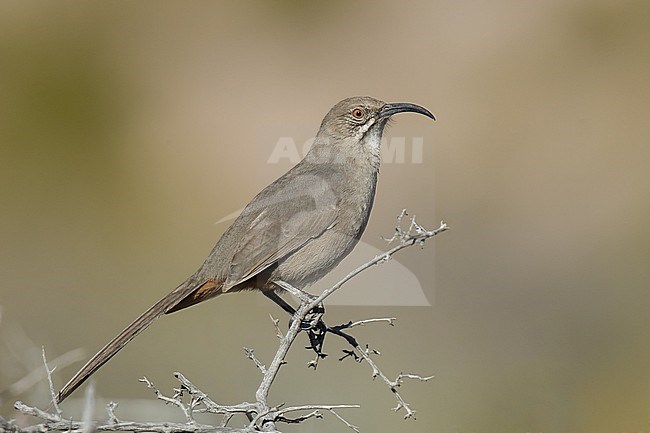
{"x": 124, "y": 337}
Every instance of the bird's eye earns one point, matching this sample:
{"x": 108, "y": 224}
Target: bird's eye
{"x": 358, "y": 114}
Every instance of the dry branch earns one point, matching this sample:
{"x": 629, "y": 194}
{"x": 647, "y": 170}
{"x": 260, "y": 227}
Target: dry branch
{"x": 261, "y": 416}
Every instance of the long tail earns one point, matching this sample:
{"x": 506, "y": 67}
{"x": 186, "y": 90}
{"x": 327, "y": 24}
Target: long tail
{"x": 128, "y": 334}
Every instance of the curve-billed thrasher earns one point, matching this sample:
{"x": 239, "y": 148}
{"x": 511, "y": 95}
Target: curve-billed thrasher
{"x": 296, "y": 230}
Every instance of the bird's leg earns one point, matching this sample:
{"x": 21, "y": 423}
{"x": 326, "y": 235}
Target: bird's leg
{"x": 308, "y": 322}
{"x": 312, "y": 323}
{"x": 316, "y": 331}
{"x": 314, "y": 316}
{"x": 279, "y": 301}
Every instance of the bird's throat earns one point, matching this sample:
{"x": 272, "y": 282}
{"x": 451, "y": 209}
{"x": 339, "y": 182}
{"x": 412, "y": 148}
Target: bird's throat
{"x": 372, "y": 143}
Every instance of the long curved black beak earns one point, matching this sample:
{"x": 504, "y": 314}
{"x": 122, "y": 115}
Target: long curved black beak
{"x": 402, "y": 107}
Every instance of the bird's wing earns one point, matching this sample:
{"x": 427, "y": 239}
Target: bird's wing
{"x": 279, "y": 230}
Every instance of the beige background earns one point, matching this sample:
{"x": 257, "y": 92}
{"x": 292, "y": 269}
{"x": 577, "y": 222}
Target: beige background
{"x": 128, "y": 128}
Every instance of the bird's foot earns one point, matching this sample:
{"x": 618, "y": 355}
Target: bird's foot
{"x": 314, "y": 318}
{"x": 316, "y": 332}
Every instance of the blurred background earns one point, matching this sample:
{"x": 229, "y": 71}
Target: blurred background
{"x": 128, "y": 129}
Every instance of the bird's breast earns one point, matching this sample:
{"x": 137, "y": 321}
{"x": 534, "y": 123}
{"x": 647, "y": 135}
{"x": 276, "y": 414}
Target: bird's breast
{"x": 322, "y": 254}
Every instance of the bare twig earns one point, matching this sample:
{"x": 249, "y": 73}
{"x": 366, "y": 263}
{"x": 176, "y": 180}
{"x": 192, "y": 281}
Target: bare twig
{"x": 37, "y": 374}
{"x": 71, "y": 426}
{"x": 8, "y": 427}
{"x": 392, "y": 384}
{"x": 210, "y": 406}
{"x": 301, "y": 418}
{"x": 406, "y": 240}
{"x": 110, "y": 409}
{"x": 251, "y": 355}
{"x": 276, "y": 324}
{"x": 314, "y": 408}
{"x": 261, "y": 395}
{"x": 390, "y": 320}
{"x": 398, "y": 228}
{"x": 38, "y": 413}
{"x": 49, "y": 372}
{"x": 175, "y": 400}
{"x": 353, "y": 427}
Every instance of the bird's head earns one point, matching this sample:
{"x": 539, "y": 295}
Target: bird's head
{"x": 357, "y": 123}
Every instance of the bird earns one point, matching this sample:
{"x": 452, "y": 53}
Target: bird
{"x": 294, "y": 231}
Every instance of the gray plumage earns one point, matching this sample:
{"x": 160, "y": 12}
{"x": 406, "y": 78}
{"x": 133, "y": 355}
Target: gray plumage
{"x": 295, "y": 230}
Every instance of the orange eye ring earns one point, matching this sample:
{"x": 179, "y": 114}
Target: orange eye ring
{"x": 358, "y": 114}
